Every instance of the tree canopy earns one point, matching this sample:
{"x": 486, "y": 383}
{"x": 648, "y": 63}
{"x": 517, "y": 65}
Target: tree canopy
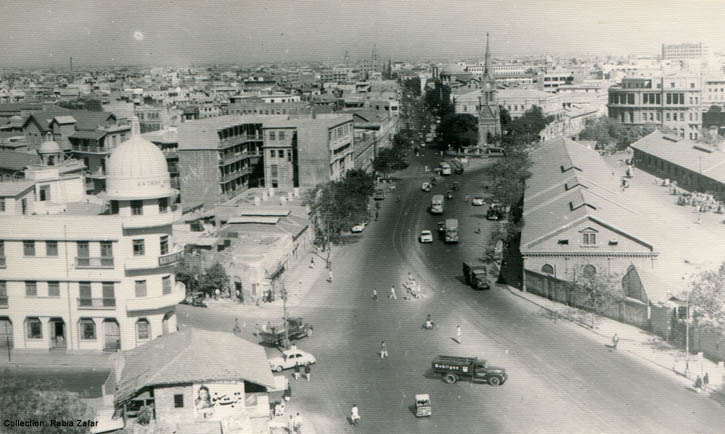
{"x": 606, "y": 131}
{"x": 412, "y": 85}
{"x": 438, "y": 100}
{"x": 707, "y": 295}
{"x": 89, "y": 104}
{"x": 41, "y": 400}
{"x": 339, "y": 205}
{"x": 525, "y": 129}
{"x": 596, "y": 290}
{"x": 458, "y": 130}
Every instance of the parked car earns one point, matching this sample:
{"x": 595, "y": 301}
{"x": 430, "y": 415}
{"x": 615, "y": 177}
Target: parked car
{"x": 478, "y": 200}
{"x": 195, "y": 299}
{"x": 358, "y": 228}
{"x": 291, "y": 358}
{"x": 426, "y": 186}
{"x": 426, "y": 236}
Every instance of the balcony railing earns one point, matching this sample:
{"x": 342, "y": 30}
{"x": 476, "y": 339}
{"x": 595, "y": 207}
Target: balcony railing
{"x": 91, "y": 149}
{"x": 234, "y": 175}
{"x": 3, "y": 263}
{"x": 96, "y": 303}
{"x": 177, "y": 294}
{"x": 87, "y": 262}
{"x": 3, "y": 302}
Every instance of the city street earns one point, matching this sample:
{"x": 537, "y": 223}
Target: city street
{"x": 560, "y": 379}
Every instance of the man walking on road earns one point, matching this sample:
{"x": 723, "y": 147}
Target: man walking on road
{"x": 458, "y": 334}
{"x": 375, "y": 294}
{"x": 383, "y": 350}
{"x": 615, "y": 341}
{"x": 392, "y": 293}
{"x": 329, "y": 276}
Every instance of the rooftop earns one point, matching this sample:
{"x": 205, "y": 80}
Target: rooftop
{"x": 14, "y": 188}
{"x": 696, "y": 157}
{"x": 192, "y": 356}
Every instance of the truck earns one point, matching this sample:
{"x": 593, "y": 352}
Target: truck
{"x": 451, "y": 231}
{"x": 476, "y": 276}
{"x": 457, "y": 167}
{"x": 274, "y": 334}
{"x": 454, "y": 368}
{"x": 379, "y": 194}
{"x": 436, "y": 204}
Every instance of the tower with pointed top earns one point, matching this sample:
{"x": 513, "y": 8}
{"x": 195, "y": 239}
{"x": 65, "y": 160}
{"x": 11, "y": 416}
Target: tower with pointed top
{"x": 489, "y": 113}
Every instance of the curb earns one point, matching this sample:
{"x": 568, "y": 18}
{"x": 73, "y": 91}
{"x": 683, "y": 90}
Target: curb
{"x": 654, "y": 362}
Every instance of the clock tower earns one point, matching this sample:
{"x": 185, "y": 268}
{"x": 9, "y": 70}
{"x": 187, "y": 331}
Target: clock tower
{"x": 489, "y": 114}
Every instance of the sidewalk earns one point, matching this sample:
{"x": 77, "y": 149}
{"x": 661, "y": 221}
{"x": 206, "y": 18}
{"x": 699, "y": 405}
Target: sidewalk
{"x": 298, "y": 279}
{"x": 21, "y": 358}
{"x": 634, "y": 341}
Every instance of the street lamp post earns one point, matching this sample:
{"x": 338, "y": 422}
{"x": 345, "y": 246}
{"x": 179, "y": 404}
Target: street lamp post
{"x": 283, "y": 293}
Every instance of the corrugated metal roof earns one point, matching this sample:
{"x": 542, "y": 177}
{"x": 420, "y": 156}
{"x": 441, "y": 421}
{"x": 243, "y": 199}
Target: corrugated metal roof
{"x": 254, "y": 219}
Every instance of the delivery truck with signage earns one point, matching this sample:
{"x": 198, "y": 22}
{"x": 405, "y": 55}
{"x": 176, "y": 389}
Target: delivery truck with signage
{"x": 454, "y": 368}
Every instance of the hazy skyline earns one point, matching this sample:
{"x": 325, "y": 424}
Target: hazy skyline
{"x": 182, "y": 32}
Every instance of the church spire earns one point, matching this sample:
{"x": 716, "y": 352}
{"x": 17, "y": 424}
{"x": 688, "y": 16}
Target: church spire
{"x": 487, "y": 60}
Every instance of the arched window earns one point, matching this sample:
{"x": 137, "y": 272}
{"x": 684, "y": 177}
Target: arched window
{"x": 143, "y": 330}
{"x": 34, "y": 328}
{"x": 547, "y": 269}
{"x": 87, "y": 329}
{"x": 589, "y": 270}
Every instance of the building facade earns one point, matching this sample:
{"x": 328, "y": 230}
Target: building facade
{"x": 95, "y": 281}
{"x": 306, "y": 152}
{"x": 220, "y": 158}
{"x": 671, "y": 102}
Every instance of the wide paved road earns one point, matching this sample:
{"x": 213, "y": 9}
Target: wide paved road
{"x": 560, "y": 379}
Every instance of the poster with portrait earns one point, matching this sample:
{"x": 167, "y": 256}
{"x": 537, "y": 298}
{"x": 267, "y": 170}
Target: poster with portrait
{"x": 217, "y": 401}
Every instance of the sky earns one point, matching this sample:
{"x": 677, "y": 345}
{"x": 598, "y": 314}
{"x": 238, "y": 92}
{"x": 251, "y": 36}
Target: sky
{"x": 182, "y": 32}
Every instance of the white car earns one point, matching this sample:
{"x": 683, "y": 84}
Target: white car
{"x": 426, "y": 186}
{"x": 477, "y": 201}
{"x": 426, "y": 237}
{"x": 358, "y": 228}
{"x": 289, "y": 359}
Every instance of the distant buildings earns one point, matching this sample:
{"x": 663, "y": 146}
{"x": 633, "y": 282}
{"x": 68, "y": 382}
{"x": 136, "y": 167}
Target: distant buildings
{"x": 684, "y": 51}
{"x": 671, "y": 101}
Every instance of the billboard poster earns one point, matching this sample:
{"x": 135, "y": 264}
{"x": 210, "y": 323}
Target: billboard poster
{"x": 217, "y": 401}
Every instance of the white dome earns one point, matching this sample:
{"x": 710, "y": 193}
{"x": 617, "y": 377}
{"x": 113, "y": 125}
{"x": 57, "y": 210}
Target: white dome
{"x": 137, "y": 169}
{"x": 49, "y": 147}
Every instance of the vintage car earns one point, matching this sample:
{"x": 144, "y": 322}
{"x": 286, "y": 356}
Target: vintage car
{"x": 291, "y": 358}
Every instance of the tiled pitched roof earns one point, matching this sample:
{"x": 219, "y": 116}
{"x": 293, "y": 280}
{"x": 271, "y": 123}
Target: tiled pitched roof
{"x": 12, "y": 189}
{"x": 11, "y": 160}
{"x": 696, "y": 157}
{"x": 193, "y": 356}
{"x": 570, "y": 183}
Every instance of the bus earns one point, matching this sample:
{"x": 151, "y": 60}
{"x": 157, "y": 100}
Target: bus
{"x": 445, "y": 168}
{"x": 436, "y": 204}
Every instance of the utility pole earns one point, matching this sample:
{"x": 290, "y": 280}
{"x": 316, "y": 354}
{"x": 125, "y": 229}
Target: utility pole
{"x": 283, "y": 293}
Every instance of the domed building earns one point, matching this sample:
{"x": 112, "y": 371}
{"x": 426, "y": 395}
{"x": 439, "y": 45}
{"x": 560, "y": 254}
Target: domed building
{"x": 93, "y": 278}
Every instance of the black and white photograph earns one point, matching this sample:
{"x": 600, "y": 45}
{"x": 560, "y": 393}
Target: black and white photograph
{"x": 362, "y": 216}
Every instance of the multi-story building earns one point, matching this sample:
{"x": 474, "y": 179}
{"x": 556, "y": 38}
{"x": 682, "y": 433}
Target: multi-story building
{"x": 149, "y": 118}
{"x": 670, "y": 101}
{"x": 168, "y": 141}
{"x": 713, "y": 92}
{"x": 99, "y": 280}
{"x": 220, "y": 157}
{"x": 684, "y": 51}
{"x": 307, "y": 151}
{"x": 93, "y": 148}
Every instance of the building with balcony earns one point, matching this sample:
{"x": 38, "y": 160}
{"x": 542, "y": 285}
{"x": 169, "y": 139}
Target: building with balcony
{"x": 93, "y": 148}
{"x": 220, "y": 157}
{"x": 304, "y": 152}
{"x": 669, "y": 101}
{"x": 95, "y": 277}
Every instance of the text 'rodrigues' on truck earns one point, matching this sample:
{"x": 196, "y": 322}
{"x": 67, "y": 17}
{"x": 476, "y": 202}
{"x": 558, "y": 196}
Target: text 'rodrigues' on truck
{"x": 453, "y": 368}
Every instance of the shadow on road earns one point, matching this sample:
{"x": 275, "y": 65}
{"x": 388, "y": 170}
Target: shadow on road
{"x": 512, "y": 266}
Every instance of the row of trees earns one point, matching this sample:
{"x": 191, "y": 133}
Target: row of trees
{"x": 609, "y": 133}
{"x": 337, "y": 206}
{"x": 207, "y": 281}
